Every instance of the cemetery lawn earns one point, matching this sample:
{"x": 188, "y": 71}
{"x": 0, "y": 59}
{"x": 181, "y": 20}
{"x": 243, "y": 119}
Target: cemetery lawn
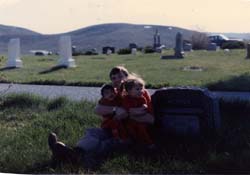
{"x": 26, "y": 121}
{"x": 221, "y": 71}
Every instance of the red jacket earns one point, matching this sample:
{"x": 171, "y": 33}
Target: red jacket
{"x": 107, "y": 118}
{"x": 135, "y": 102}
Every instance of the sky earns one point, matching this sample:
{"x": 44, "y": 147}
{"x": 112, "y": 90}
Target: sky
{"x": 59, "y": 16}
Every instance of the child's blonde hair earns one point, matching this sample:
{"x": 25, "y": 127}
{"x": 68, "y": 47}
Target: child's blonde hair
{"x": 118, "y": 69}
{"x": 132, "y": 81}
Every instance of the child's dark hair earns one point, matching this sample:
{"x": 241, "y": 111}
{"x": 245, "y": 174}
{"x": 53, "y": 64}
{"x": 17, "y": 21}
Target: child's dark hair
{"x": 118, "y": 69}
{"x": 106, "y": 87}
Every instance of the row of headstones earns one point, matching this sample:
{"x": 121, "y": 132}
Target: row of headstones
{"x": 133, "y": 51}
{"x": 65, "y": 52}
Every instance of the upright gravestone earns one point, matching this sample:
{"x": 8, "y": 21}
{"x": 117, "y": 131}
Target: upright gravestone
{"x": 133, "y": 51}
{"x": 65, "y": 50}
{"x": 14, "y": 53}
{"x": 179, "y": 53}
{"x": 187, "y": 47}
{"x": 212, "y": 47}
{"x": 248, "y": 50}
{"x": 187, "y": 112}
{"x": 109, "y": 52}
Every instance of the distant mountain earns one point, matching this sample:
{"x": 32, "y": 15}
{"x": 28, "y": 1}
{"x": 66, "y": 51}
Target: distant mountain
{"x": 118, "y": 35}
{"x": 15, "y": 31}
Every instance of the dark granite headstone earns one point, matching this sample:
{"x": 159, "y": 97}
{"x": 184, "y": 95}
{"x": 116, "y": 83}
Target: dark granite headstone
{"x": 179, "y": 53}
{"x": 248, "y": 51}
{"x": 186, "y": 112}
{"x": 187, "y": 47}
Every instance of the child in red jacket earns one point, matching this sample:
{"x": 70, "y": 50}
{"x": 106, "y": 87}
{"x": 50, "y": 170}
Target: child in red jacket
{"x": 133, "y": 99}
{"x": 111, "y": 98}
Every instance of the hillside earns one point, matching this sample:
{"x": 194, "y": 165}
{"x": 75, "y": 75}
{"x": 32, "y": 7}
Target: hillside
{"x": 12, "y": 30}
{"x": 118, "y": 35}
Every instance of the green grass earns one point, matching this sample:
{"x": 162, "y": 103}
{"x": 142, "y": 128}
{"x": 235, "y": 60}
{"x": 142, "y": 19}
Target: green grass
{"x": 222, "y": 71}
{"x": 26, "y": 120}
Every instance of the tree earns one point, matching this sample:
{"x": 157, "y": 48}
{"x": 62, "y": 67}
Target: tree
{"x": 199, "y": 40}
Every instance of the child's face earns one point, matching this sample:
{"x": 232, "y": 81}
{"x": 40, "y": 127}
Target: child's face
{"x": 109, "y": 94}
{"x": 136, "y": 91}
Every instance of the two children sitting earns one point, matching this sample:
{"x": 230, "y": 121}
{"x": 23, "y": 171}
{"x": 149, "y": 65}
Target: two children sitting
{"x": 130, "y": 96}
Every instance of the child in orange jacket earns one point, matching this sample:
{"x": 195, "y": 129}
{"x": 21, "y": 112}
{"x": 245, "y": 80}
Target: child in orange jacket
{"x": 133, "y": 99}
{"x": 111, "y": 98}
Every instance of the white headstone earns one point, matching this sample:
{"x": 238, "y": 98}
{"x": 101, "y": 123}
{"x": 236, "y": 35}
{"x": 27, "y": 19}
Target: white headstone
{"x": 227, "y": 51}
{"x": 109, "y": 52}
{"x": 14, "y": 53}
{"x": 65, "y": 51}
{"x": 133, "y": 51}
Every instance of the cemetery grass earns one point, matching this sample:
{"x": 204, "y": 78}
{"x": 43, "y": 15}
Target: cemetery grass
{"x": 26, "y": 121}
{"x": 221, "y": 70}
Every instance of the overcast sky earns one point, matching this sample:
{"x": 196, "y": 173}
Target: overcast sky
{"x": 57, "y": 16}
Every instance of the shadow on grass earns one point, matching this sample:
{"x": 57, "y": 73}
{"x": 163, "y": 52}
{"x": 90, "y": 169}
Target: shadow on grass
{"x": 8, "y": 68}
{"x": 98, "y": 58}
{"x": 165, "y": 57}
{"x": 53, "y": 69}
{"x": 236, "y": 83}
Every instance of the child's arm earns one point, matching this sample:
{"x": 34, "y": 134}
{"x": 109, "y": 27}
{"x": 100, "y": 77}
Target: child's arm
{"x": 147, "y": 97}
{"x": 102, "y": 110}
{"x": 147, "y": 117}
{"x": 138, "y": 111}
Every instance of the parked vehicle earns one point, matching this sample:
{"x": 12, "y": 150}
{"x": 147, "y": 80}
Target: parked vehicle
{"x": 226, "y": 43}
